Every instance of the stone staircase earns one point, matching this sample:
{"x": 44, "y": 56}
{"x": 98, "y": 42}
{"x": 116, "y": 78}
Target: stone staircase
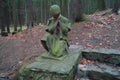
{"x": 106, "y": 64}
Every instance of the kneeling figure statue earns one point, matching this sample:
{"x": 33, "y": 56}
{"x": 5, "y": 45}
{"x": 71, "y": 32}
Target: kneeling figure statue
{"x": 56, "y": 41}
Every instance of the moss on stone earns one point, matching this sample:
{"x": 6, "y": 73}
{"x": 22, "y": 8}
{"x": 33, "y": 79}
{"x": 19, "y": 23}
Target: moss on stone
{"x": 49, "y": 69}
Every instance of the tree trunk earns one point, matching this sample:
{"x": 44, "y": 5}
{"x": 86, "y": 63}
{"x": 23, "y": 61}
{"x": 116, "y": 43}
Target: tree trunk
{"x": 76, "y": 10}
{"x": 2, "y": 15}
{"x": 116, "y": 7}
{"x": 7, "y": 13}
{"x": 29, "y": 14}
{"x": 20, "y": 14}
{"x": 15, "y": 16}
{"x": 61, "y": 4}
{"x": 101, "y": 5}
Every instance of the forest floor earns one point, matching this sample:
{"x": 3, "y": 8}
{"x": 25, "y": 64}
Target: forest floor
{"x": 97, "y": 32}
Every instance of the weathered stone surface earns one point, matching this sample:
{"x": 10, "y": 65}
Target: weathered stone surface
{"x": 103, "y": 57}
{"x": 62, "y": 67}
{"x": 43, "y": 69}
{"x": 114, "y": 60}
{"x": 103, "y": 70}
{"x": 97, "y": 50}
{"x": 4, "y": 77}
{"x": 100, "y": 76}
{"x": 49, "y": 69}
{"x": 102, "y": 51}
{"x": 111, "y": 56}
{"x": 100, "y": 71}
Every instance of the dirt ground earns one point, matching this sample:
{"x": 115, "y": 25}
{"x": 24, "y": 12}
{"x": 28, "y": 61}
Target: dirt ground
{"x": 97, "y": 32}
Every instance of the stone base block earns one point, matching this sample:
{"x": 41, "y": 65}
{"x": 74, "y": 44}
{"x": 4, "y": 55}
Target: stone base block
{"x": 50, "y": 69}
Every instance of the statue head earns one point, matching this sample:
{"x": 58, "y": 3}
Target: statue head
{"x": 55, "y": 11}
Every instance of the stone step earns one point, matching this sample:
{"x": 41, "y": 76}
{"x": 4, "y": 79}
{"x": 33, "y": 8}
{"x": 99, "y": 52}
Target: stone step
{"x": 106, "y": 66}
{"x": 100, "y": 69}
{"x": 110, "y": 56}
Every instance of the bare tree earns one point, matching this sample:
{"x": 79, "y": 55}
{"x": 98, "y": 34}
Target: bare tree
{"x": 20, "y": 14}
{"x": 29, "y": 14}
{"x": 116, "y": 7}
{"x": 4, "y": 16}
{"x": 76, "y": 10}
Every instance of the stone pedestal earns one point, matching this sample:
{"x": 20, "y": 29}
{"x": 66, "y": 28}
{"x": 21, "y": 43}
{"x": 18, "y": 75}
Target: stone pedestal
{"x": 50, "y": 69}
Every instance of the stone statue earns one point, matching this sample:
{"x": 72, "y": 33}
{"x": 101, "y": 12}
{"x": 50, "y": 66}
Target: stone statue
{"x": 55, "y": 41}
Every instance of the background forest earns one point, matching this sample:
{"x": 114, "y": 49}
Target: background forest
{"x": 96, "y": 26}
{"x": 18, "y": 13}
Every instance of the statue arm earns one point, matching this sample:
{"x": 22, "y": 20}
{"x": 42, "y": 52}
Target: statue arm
{"x": 65, "y": 26}
{"x": 49, "y": 27}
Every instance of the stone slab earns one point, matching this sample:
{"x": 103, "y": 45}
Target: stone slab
{"x": 100, "y": 68}
{"x": 50, "y": 65}
{"x": 110, "y": 56}
{"x": 65, "y": 69}
{"x": 96, "y": 50}
{"x": 52, "y": 69}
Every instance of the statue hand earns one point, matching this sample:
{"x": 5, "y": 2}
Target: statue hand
{"x": 58, "y": 24}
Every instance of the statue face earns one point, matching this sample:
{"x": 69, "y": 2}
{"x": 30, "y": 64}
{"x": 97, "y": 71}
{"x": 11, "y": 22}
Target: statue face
{"x": 56, "y": 16}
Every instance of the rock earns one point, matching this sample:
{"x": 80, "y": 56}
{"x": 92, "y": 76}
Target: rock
{"x": 100, "y": 69}
{"x": 14, "y": 32}
{"x": 4, "y": 33}
{"x": 110, "y": 56}
{"x": 50, "y": 69}
{"x": 4, "y": 77}
{"x": 100, "y": 76}
{"x": 114, "y": 60}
